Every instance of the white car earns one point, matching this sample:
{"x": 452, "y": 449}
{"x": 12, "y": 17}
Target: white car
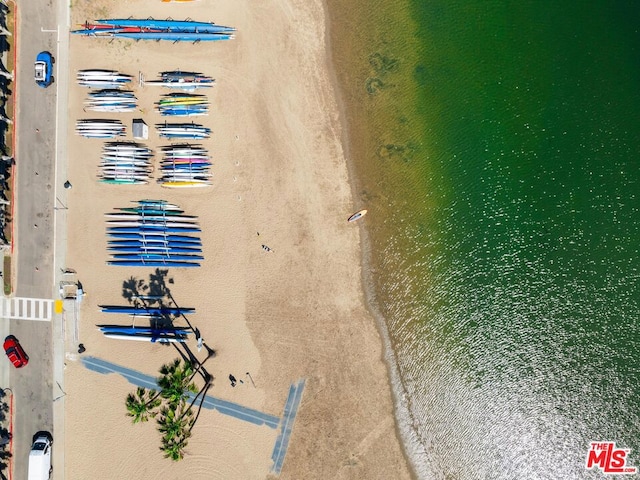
{"x": 40, "y": 457}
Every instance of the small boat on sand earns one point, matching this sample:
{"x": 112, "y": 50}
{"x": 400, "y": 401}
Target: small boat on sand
{"x": 357, "y": 216}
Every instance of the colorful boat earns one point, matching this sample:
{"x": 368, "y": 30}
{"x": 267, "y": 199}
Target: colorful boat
{"x": 166, "y": 25}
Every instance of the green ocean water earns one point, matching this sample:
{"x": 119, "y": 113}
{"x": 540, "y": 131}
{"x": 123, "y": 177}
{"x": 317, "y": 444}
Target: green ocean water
{"x": 496, "y": 145}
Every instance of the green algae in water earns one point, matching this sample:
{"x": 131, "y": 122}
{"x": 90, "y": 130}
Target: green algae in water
{"x": 500, "y": 170}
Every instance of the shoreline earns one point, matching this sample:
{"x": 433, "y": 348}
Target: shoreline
{"x": 298, "y": 313}
{"x": 404, "y": 429}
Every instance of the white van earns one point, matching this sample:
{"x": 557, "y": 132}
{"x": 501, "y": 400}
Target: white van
{"x": 40, "y": 458}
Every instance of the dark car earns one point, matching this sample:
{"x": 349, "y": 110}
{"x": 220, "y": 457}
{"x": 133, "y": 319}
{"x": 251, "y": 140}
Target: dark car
{"x": 15, "y": 352}
{"x": 44, "y": 69}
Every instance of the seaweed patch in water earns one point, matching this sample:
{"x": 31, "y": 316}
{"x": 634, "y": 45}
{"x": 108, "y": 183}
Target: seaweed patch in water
{"x": 403, "y": 152}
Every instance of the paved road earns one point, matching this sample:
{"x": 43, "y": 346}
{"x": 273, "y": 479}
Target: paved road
{"x": 34, "y": 221}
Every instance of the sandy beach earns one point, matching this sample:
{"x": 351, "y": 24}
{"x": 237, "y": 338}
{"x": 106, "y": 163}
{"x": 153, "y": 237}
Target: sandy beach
{"x": 298, "y": 312}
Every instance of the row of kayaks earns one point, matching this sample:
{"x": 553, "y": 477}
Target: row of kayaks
{"x": 154, "y": 233}
{"x": 109, "y": 128}
{"x": 114, "y": 100}
{"x": 173, "y": 79}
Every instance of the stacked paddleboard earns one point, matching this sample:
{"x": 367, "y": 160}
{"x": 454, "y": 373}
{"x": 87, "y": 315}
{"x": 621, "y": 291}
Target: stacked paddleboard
{"x": 107, "y": 97}
{"x": 185, "y": 166}
{"x": 154, "y": 233}
{"x": 183, "y": 131}
{"x": 183, "y": 104}
{"x": 111, "y": 100}
{"x": 125, "y": 163}
{"x": 102, "y": 79}
{"x": 100, "y": 128}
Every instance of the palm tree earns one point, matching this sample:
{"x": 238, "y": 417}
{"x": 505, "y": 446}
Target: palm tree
{"x": 174, "y": 448}
{"x": 141, "y": 406}
{"x": 175, "y": 424}
{"x": 175, "y": 382}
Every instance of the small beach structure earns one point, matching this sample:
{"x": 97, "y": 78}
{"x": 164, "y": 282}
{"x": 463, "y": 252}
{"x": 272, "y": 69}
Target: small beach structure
{"x": 139, "y": 129}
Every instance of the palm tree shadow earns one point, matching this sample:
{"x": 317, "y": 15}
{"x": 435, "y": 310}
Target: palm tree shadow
{"x": 152, "y": 294}
{"x": 156, "y": 294}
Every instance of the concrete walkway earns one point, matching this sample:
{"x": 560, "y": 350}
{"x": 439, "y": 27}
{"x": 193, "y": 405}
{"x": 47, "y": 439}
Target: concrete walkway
{"x": 286, "y": 426}
{"x": 284, "y": 423}
{"x": 141, "y": 380}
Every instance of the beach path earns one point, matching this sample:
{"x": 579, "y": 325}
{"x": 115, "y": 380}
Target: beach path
{"x": 284, "y": 423}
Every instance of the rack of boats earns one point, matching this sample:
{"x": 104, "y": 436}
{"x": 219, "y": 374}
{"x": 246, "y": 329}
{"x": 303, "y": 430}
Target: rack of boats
{"x": 185, "y": 166}
{"x": 111, "y": 100}
{"x": 100, "y": 128}
{"x": 183, "y": 104}
{"x": 161, "y": 318}
{"x": 183, "y": 131}
{"x": 176, "y": 79}
{"x": 153, "y": 234}
{"x": 125, "y": 163}
{"x": 151, "y": 29}
{"x": 99, "y": 78}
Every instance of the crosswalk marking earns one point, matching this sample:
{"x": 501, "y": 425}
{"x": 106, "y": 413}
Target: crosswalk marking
{"x": 26, "y": 309}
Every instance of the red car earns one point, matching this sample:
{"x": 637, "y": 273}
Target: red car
{"x": 15, "y": 352}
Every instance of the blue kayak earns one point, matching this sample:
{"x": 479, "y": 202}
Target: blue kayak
{"x": 155, "y": 237}
{"x": 147, "y": 330}
{"x": 146, "y": 310}
{"x": 156, "y": 256}
{"x": 151, "y": 263}
{"x": 153, "y": 228}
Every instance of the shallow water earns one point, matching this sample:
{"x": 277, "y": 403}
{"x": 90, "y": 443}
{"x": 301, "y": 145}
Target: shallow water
{"x": 496, "y": 145}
